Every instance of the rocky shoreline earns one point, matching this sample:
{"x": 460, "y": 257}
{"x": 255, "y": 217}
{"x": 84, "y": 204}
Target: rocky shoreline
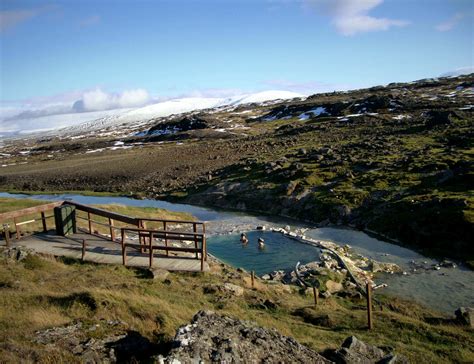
{"x": 337, "y": 268}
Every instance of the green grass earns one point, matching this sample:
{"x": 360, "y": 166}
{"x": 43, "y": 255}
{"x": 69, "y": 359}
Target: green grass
{"x": 37, "y": 294}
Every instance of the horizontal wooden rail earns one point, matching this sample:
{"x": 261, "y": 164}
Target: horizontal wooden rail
{"x": 29, "y": 211}
{"x": 170, "y": 233}
{"x": 15, "y": 215}
{"x": 99, "y": 223}
{"x": 173, "y": 221}
{"x": 166, "y": 236}
{"x": 148, "y": 238}
{"x": 104, "y": 213}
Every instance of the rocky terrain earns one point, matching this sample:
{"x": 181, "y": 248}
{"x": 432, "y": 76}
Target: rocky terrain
{"x": 395, "y": 159}
{"x": 216, "y": 339}
{"x": 113, "y": 314}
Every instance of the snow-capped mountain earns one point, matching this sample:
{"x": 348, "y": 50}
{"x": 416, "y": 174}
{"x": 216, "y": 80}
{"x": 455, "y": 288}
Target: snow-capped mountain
{"x": 76, "y": 122}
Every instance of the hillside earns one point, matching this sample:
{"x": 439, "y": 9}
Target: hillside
{"x": 395, "y": 159}
{"x": 117, "y": 314}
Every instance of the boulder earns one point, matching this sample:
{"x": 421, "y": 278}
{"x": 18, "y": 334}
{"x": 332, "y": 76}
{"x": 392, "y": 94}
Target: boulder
{"x": 159, "y": 274}
{"x": 18, "y": 253}
{"x": 440, "y": 117}
{"x": 355, "y": 351}
{"x": 212, "y": 338}
{"x": 333, "y": 287}
{"x": 465, "y": 316}
{"x": 234, "y": 289}
{"x": 326, "y": 294}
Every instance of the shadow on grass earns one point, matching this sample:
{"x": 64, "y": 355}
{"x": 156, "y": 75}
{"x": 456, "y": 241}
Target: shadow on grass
{"x": 83, "y": 298}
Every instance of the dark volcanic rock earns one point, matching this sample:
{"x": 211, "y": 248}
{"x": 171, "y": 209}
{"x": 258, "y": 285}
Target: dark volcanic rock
{"x": 212, "y": 338}
{"x": 440, "y": 117}
{"x": 465, "y": 315}
{"x": 184, "y": 124}
{"x": 355, "y": 351}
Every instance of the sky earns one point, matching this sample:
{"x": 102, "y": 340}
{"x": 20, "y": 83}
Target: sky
{"x": 81, "y": 55}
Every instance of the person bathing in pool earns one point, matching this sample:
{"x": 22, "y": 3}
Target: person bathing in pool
{"x": 243, "y": 239}
{"x": 261, "y": 243}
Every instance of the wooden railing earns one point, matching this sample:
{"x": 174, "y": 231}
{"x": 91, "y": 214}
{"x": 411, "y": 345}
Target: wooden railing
{"x": 112, "y": 217}
{"x": 151, "y": 238}
{"x": 196, "y": 225}
{"x": 15, "y": 217}
{"x": 169, "y": 231}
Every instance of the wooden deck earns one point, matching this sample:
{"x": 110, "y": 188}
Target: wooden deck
{"x": 101, "y": 250}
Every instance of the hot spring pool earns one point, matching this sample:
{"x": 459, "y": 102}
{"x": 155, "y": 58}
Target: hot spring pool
{"x": 279, "y": 252}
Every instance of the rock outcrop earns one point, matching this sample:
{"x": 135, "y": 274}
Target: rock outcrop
{"x": 212, "y": 338}
{"x": 355, "y": 351}
{"x": 465, "y": 316}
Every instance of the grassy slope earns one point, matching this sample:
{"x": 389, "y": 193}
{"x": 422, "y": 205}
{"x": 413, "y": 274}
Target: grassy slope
{"x": 38, "y": 294}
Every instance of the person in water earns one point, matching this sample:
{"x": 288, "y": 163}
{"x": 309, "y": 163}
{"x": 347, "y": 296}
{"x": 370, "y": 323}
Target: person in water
{"x": 243, "y": 238}
{"x": 261, "y": 243}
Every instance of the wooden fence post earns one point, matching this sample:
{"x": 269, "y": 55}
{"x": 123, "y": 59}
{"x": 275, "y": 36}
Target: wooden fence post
{"x": 316, "y": 296}
{"x": 202, "y": 262}
{"x": 166, "y": 237}
{"x": 195, "y": 239}
{"x": 252, "y": 278}
{"x": 90, "y": 222}
{"x": 112, "y": 232}
{"x": 151, "y": 249}
{"x": 6, "y": 234}
{"x": 204, "y": 240}
{"x": 17, "y": 229}
{"x": 141, "y": 239}
{"x": 124, "y": 253}
{"x": 83, "y": 249}
{"x": 368, "y": 288}
{"x": 43, "y": 218}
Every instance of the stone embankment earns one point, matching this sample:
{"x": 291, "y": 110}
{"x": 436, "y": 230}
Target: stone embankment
{"x": 335, "y": 261}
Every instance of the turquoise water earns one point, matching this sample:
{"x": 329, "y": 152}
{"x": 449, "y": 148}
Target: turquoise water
{"x": 279, "y": 252}
{"x": 444, "y": 289}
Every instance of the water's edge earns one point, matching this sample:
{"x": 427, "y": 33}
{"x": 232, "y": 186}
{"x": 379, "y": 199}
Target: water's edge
{"x": 443, "y": 289}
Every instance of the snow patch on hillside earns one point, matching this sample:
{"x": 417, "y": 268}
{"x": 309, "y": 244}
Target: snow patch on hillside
{"x": 90, "y": 121}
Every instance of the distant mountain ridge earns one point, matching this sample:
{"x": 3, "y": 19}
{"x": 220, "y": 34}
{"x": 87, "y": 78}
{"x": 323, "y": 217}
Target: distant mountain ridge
{"x": 86, "y": 120}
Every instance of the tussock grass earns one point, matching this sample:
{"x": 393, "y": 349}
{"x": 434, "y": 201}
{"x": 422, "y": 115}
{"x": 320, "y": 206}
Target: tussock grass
{"x": 60, "y": 292}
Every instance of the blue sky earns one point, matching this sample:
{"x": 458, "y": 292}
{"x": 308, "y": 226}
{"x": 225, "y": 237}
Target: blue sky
{"x": 57, "y": 51}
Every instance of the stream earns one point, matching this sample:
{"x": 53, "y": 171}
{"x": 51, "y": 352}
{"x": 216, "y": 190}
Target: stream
{"x": 444, "y": 289}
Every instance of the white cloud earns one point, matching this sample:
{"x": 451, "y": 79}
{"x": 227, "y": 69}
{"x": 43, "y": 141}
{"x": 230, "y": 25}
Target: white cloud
{"x": 10, "y": 18}
{"x": 72, "y": 102}
{"x": 459, "y": 71}
{"x": 97, "y": 99}
{"x": 210, "y": 92}
{"x": 450, "y": 23}
{"x": 89, "y": 21}
{"x": 352, "y": 16}
{"x": 307, "y": 87}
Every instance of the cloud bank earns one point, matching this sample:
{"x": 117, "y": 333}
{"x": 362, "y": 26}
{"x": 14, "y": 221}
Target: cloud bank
{"x": 352, "y": 16}
{"x": 450, "y": 23}
{"x": 10, "y": 18}
{"x": 97, "y": 100}
{"x": 75, "y": 102}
